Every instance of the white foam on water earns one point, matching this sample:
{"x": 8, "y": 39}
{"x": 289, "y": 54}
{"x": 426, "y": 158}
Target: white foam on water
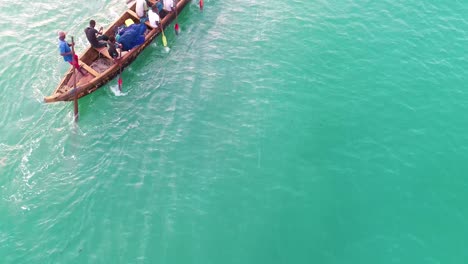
{"x": 115, "y": 90}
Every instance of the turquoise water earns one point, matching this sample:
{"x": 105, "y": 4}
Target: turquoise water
{"x": 306, "y": 132}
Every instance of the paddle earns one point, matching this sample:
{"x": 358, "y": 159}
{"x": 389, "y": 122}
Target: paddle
{"x": 120, "y": 71}
{"x": 164, "y": 40}
{"x": 176, "y": 27}
{"x": 75, "y": 98}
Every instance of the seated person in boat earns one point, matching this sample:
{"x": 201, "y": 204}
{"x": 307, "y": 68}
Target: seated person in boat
{"x": 95, "y": 38}
{"x": 153, "y": 16}
{"x": 67, "y": 54}
{"x": 141, "y": 8}
{"x": 168, "y": 5}
{"x": 165, "y": 7}
{"x": 160, "y": 9}
{"x": 112, "y": 47}
{"x": 132, "y": 36}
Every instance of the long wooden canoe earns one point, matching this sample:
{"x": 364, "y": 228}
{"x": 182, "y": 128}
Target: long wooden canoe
{"x": 100, "y": 66}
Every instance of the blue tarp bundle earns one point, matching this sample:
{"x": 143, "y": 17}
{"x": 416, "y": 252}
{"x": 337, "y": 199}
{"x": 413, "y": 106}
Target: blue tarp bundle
{"x": 132, "y": 36}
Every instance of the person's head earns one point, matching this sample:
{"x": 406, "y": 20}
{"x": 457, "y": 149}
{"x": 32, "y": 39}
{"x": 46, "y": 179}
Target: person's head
{"x": 111, "y": 39}
{"x": 92, "y": 23}
{"x": 62, "y": 35}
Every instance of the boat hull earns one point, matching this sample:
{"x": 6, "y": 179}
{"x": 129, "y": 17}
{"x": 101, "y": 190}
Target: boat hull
{"x": 99, "y": 65}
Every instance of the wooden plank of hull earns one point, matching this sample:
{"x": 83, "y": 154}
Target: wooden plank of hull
{"x": 104, "y": 52}
{"x": 89, "y": 69}
{"x": 134, "y": 15}
{"x": 91, "y": 82}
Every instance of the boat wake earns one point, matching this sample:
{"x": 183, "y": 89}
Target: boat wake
{"x": 115, "y": 90}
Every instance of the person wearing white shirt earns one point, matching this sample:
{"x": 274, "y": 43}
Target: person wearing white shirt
{"x": 168, "y": 5}
{"x": 141, "y": 8}
{"x": 153, "y": 16}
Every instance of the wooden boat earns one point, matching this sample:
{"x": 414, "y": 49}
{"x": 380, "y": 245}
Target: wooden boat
{"x": 100, "y": 66}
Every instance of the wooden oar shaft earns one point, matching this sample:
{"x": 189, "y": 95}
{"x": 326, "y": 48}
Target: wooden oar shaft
{"x": 176, "y": 26}
{"x": 163, "y": 38}
{"x": 75, "y": 98}
{"x": 120, "y": 71}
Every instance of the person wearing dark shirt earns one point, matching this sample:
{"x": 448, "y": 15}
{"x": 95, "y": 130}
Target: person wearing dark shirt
{"x": 95, "y": 37}
{"x": 112, "y": 48}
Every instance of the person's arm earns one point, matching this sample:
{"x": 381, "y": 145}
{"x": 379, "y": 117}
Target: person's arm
{"x": 62, "y": 50}
{"x": 120, "y": 47}
{"x": 66, "y": 53}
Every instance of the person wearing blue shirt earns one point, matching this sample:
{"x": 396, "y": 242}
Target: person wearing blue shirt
{"x": 66, "y": 53}
{"x": 64, "y": 48}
